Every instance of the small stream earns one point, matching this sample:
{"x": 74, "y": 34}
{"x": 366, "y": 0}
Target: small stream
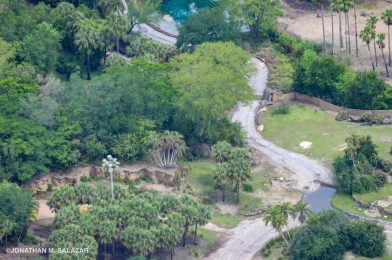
{"x": 320, "y": 199}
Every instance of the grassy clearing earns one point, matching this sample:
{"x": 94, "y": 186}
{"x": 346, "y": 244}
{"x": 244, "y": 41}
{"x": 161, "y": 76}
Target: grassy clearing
{"x": 382, "y": 194}
{"x": 225, "y": 221}
{"x": 200, "y": 179}
{"x": 327, "y": 135}
{"x": 208, "y": 235}
{"x": 281, "y": 73}
{"x": 345, "y": 203}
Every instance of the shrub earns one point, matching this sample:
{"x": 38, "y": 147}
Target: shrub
{"x": 367, "y": 238}
{"x": 295, "y": 46}
{"x": 316, "y": 242}
{"x": 342, "y": 116}
{"x": 371, "y": 118}
{"x": 246, "y": 187}
{"x": 282, "y": 109}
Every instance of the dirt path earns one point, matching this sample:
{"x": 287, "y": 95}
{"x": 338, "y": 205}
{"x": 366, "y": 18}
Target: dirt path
{"x": 246, "y": 240}
{"x": 44, "y": 212}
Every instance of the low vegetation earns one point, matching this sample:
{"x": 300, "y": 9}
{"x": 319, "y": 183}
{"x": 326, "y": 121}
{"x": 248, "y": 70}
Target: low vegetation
{"x": 319, "y": 127}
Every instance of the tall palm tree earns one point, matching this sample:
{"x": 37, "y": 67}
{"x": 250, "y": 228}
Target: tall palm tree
{"x": 366, "y": 36}
{"x": 87, "y": 40}
{"x": 221, "y": 151}
{"x": 239, "y": 168}
{"x": 323, "y": 25}
{"x": 372, "y": 22}
{"x": 387, "y": 19}
{"x": 346, "y": 5}
{"x": 381, "y": 45}
{"x": 118, "y": 26}
{"x": 336, "y": 7}
{"x": 278, "y": 221}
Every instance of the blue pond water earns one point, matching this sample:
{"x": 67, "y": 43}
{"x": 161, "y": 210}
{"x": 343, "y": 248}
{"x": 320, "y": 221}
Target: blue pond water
{"x": 181, "y": 9}
{"x": 320, "y": 199}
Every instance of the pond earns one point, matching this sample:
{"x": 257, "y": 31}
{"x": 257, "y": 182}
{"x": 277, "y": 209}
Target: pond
{"x": 320, "y": 199}
{"x": 179, "y": 10}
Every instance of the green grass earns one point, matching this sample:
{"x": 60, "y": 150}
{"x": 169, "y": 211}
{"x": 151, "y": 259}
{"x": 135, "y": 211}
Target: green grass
{"x": 281, "y": 75}
{"x": 225, "y": 221}
{"x": 381, "y": 194}
{"x": 327, "y": 135}
{"x": 386, "y": 256}
{"x": 200, "y": 179}
{"x": 345, "y": 203}
{"x": 208, "y": 235}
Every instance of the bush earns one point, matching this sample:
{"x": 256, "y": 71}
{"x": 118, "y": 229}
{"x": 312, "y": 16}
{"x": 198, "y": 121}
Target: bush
{"x": 246, "y": 187}
{"x": 295, "y": 46}
{"x": 316, "y": 242}
{"x": 17, "y": 206}
{"x": 342, "y": 116}
{"x": 367, "y": 238}
{"x": 282, "y": 109}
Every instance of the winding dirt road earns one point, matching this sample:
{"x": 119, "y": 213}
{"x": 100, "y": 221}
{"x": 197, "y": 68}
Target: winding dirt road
{"x": 306, "y": 172}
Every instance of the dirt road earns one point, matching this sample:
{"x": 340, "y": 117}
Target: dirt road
{"x": 305, "y": 171}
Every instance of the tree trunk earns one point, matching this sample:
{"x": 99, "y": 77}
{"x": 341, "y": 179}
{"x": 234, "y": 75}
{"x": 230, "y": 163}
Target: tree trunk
{"x": 113, "y": 247}
{"x": 385, "y": 62}
{"x": 184, "y": 236}
{"x": 223, "y": 193}
{"x": 333, "y": 35}
{"x": 238, "y": 192}
{"x": 356, "y": 30}
{"x": 118, "y": 45}
{"x": 284, "y": 238}
{"x": 88, "y": 68}
{"x": 375, "y": 52}
{"x": 322, "y": 20}
{"x": 104, "y": 56}
{"x": 389, "y": 44}
{"x": 348, "y": 33}
{"x": 340, "y": 36}
{"x": 346, "y": 38}
{"x": 171, "y": 253}
{"x": 370, "y": 54}
{"x": 195, "y": 238}
{"x": 105, "y": 251}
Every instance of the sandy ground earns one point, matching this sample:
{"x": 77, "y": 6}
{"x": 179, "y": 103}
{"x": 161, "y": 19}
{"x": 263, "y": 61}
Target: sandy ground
{"x": 44, "y": 212}
{"x": 307, "y": 25}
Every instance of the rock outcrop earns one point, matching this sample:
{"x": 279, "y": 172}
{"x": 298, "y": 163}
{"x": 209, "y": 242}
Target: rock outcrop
{"x": 132, "y": 172}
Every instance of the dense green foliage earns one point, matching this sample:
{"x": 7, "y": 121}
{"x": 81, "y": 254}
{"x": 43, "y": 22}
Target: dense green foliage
{"x": 207, "y": 25}
{"x": 203, "y": 99}
{"x": 329, "y": 234}
{"x": 17, "y": 209}
{"x": 360, "y": 170}
{"x": 331, "y": 80}
{"x": 142, "y": 221}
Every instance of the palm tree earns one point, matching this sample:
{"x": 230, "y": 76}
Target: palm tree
{"x": 333, "y": 33}
{"x": 372, "y": 22}
{"x": 109, "y": 165}
{"x": 366, "y": 36}
{"x": 167, "y": 148}
{"x": 322, "y": 22}
{"x": 107, "y": 232}
{"x": 87, "y": 40}
{"x": 346, "y": 5}
{"x": 381, "y": 45}
{"x": 221, "y": 151}
{"x": 239, "y": 168}
{"x": 278, "y": 221}
{"x": 111, "y": 6}
{"x": 117, "y": 25}
{"x": 220, "y": 177}
{"x": 387, "y": 19}
{"x": 336, "y": 7}
{"x": 303, "y": 211}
